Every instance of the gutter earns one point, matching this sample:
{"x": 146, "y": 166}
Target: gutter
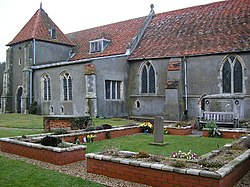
{"x": 31, "y": 71}
{"x": 76, "y": 61}
{"x": 185, "y": 86}
{"x": 31, "y": 84}
{"x": 191, "y": 55}
{"x": 34, "y": 51}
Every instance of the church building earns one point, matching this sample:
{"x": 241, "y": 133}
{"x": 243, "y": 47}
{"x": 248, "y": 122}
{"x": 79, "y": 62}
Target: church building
{"x": 175, "y": 64}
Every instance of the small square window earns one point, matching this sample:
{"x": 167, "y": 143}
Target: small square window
{"x": 113, "y": 89}
{"x": 52, "y": 33}
{"x": 98, "y": 45}
{"x": 20, "y": 61}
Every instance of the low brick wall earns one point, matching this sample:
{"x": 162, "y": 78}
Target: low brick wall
{"x": 64, "y": 121}
{"x": 167, "y": 176}
{"x": 102, "y": 134}
{"x": 179, "y": 130}
{"x": 227, "y": 133}
{"x": 61, "y": 156}
{"x": 54, "y": 155}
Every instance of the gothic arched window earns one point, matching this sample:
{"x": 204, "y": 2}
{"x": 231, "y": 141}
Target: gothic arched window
{"x": 46, "y": 87}
{"x": 232, "y": 75}
{"x": 238, "y": 84}
{"x": 66, "y": 86}
{"x": 147, "y": 78}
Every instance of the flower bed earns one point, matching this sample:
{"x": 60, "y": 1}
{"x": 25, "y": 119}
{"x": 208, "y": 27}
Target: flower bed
{"x": 54, "y": 155}
{"x": 227, "y": 133}
{"x": 25, "y": 146}
{"x": 179, "y": 130}
{"x": 161, "y": 174}
{"x": 101, "y": 134}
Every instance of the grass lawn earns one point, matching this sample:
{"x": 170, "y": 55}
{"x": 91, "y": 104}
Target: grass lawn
{"x": 29, "y": 121}
{"x": 112, "y": 121}
{"x": 136, "y": 143}
{"x": 20, "y": 174}
{"x": 18, "y": 132}
{"x": 26, "y": 121}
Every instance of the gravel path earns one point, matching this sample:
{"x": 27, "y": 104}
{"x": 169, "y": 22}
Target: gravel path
{"x": 78, "y": 169}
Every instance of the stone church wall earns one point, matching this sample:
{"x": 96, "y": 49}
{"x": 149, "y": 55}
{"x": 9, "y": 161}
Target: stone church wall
{"x": 106, "y": 69}
{"x": 115, "y": 69}
{"x": 203, "y": 78}
{"x": 76, "y": 106}
{"x": 147, "y": 104}
{"x": 2, "y": 66}
{"x": 50, "y": 52}
{"x": 20, "y": 60}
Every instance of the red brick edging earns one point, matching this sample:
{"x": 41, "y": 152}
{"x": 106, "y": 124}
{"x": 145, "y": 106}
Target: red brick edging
{"x": 61, "y": 156}
{"x": 58, "y": 156}
{"x": 179, "y": 130}
{"x": 166, "y": 176}
{"x": 227, "y": 133}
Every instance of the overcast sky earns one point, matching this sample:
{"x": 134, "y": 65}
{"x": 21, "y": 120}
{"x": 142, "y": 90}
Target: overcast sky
{"x": 75, "y": 15}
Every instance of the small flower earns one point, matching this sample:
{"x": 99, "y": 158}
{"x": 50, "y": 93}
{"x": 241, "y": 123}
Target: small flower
{"x": 146, "y": 124}
{"x": 189, "y": 155}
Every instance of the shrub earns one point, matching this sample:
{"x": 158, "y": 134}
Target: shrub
{"x": 106, "y": 126}
{"x": 211, "y": 164}
{"x": 143, "y": 154}
{"x": 156, "y": 158}
{"x": 213, "y": 129}
{"x": 99, "y": 128}
{"x": 33, "y": 108}
{"x": 50, "y": 141}
{"x": 183, "y": 123}
{"x": 90, "y": 129}
{"x": 60, "y": 131}
{"x": 108, "y": 135}
{"x": 178, "y": 164}
{"x": 80, "y": 122}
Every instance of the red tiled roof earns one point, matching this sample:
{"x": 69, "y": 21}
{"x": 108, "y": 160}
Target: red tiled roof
{"x": 213, "y": 28}
{"x": 120, "y": 34}
{"x": 38, "y": 28}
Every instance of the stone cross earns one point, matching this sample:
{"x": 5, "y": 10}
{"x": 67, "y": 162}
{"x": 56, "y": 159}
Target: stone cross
{"x": 158, "y": 130}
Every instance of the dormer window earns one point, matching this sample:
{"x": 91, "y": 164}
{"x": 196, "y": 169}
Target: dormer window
{"x": 98, "y": 45}
{"x": 52, "y": 33}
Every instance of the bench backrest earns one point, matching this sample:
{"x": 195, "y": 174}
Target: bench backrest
{"x": 218, "y": 116}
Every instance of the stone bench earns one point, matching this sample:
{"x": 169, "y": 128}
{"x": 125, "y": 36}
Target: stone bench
{"x": 221, "y": 119}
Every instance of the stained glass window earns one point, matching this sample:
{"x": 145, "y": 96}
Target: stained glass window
{"x": 70, "y": 87}
{"x": 237, "y": 77}
{"x": 148, "y": 79}
{"x": 226, "y": 76}
{"x": 46, "y": 87}
{"x": 49, "y": 90}
{"x": 232, "y": 76}
{"x": 67, "y": 87}
{"x": 144, "y": 80}
{"x": 151, "y": 80}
